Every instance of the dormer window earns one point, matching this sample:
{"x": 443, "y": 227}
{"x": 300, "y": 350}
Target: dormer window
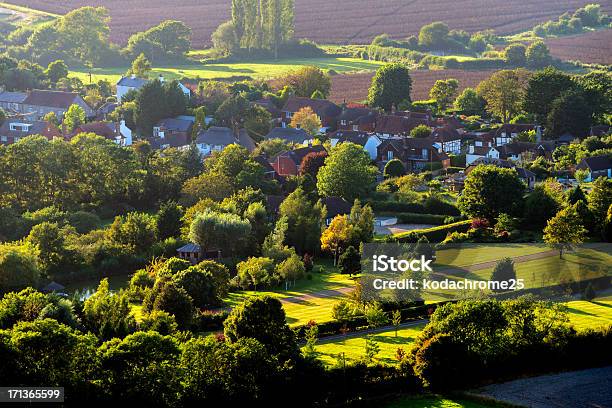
{"x": 19, "y": 127}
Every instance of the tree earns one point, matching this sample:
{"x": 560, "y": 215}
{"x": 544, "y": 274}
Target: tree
{"x": 362, "y": 219}
{"x": 538, "y": 55}
{"x": 255, "y": 272}
{"x": 376, "y": 316}
{"x": 394, "y": 168}
{"x": 56, "y": 70}
{"x": 350, "y": 261}
{"x": 307, "y": 80}
{"x": 53, "y": 256}
{"x": 169, "y": 221}
{"x": 137, "y": 230}
{"x": 421, "y": 132}
{"x": 391, "y": 86}
{"x": 257, "y": 122}
{"x": 74, "y": 117}
{"x": 141, "y": 67}
{"x": 565, "y": 230}
{"x": 291, "y": 269}
{"x": 543, "y": 88}
{"x": 342, "y": 311}
{"x": 169, "y": 297}
{"x": 540, "y": 206}
{"x": 304, "y": 221}
{"x": 337, "y": 236}
{"x": 347, "y": 172}
{"x": 396, "y": 320}
{"x": 504, "y": 92}
{"x": 576, "y": 194}
{"x": 206, "y": 283}
{"x": 444, "y": 92}
{"x": 311, "y": 337}
{"x": 515, "y": 55}
{"x": 211, "y": 229}
{"x": 107, "y": 314}
{"x": 434, "y": 36}
{"x": 311, "y": 163}
{"x": 371, "y": 349}
{"x": 18, "y": 267}
{"x": 306, "y": 119}
{"x": 470, "y": 103}
{"x": 597, "y": 86}
{"x": 224, "y": 38}
{"x": 600, "y": 199}
{"x": 262, "y": 318}
{"x": 490, "y": 191}
{"x": 150, "y": 106}
{"x": 503, "y": 272}
{"x": 570, "y": 113}
{"x": 589, "y": 293}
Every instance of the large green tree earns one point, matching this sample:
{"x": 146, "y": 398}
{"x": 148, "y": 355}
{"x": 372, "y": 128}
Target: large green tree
{"x": 543, "y": 88}
{"x": 391, "y": 86}
{"x": 305, "y": 222}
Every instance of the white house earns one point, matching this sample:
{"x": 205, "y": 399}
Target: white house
{"x": 132, "y": 83}
{"x": 474, "y": 153}
{"x": 368, "y": 141}
{"x": 447, "y": 139}
{"x": 215, "y": 139}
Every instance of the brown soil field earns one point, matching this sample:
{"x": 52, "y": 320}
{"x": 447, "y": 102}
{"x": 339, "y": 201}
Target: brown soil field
{"x": 594, "y": 47}
{"x": 325, "y": 21}
{"x": 354, "y": 87}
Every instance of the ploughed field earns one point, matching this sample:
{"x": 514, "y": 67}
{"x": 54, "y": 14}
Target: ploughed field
{"x": 594, "y": 47}
{"x": 354, "y": 87}
{"x": 339, "y": 21}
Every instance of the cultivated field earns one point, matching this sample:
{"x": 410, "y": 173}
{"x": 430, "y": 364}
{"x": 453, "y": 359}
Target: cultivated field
{"x": 354, "y": 87}
{"x": 340, "y": 21}
{"x": 593, "y": 47}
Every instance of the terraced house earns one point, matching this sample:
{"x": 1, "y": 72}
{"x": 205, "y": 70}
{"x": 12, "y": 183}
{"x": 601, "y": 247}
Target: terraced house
{"x": 35, "y": 104}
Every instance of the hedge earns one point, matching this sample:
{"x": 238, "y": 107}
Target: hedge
{"x": 457, "y": 160}
{"x": 430, "y": 206}
{"x": 416, "y": 218}
{"x": 436, "y": 234}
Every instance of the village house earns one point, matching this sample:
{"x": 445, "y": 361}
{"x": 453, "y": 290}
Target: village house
{"x": 290, "y": 135}
{"x": 173, "y": 132}
{"x": 327, "y": 111}
{"x": 401, "y": 123}
{"x": 358, "y": 119}
{"x": 525, "y": 175}
{"x": 508, "y": 132}
{"x": 38, "y": 103}
{"x": 478, "y": 152}
{"x": 15, "y": 129}
{"x": 117, "y": 132}
{"x": 288, "y": 163}
{"x": 368, "y": 141}
{"x": 597, "y": 166}
{"x": 132, "y": 83}
{"x": 216, "y": 138}
{"x": 193, "y": 253}
{"x": 447, "y": 139}
{"x": 335, "y": 206}
{"x": 414, "y": 153}
{"x": 272, "y": 109}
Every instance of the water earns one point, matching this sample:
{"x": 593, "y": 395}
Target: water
{"x": 85, "y": 288}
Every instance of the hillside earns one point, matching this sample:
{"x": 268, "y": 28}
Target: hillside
{"x": 594, "y": 47}
{"x": 340, "y": 21}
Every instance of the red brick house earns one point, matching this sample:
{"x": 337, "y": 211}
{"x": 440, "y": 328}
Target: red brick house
{"x": 288, "y": 163}
{"x": 401, "y": 123}
{"x": 359, "y": 119}
{"x": 413, "y": 153}
{"x": 327, "y": 111}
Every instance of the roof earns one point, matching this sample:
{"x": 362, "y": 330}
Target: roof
{"x": 37, "y": 127}
{"x": 482, "y": 150}
{"x": 53, "y": 287}
{"x": 600, "y": 130}
{"x": 51, "y": 99}
{"x": 514, "y": 128}
{"x": 395, "y": 124}
{"x": 264, "y": 163}
{"x": 336, "y": 206}
{"x": 522, "y": 172}
{"x": 175, "y": 124}
{"x": 515, "y": 148}
{"x": 132, "y": 82}
{"x": 190, "y": 247}
{"x": 289, "y": 134}
{"x": 104, "y": 129}
{"x": 298, "y": 155}
{"x": 596, "y": 163}
{"x": 445, "y": 134}
{"x": 108, "y": 107}
{"x": 321, "y": 107}
{"x": 269, "y": 106}
{"x": 566, "y": 138}
{"x": 13, "y": 97}
{"x": 217, "y": 136}
{"x": 351, "y": 136}
{"x": 246, "y": 141}
{"x": 363, "y": 115}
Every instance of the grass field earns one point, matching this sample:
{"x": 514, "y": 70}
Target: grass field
{"x": 595, "y": 314}
{"x": 19, "y": 15}
{"x": 437, "y": 402}
{"x": 264, "y": 69}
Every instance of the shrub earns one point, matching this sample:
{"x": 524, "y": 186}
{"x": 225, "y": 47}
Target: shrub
{"x": 83, "y": 221}
{"x": 436, "y": 234}
{"x": 394, "y": 168}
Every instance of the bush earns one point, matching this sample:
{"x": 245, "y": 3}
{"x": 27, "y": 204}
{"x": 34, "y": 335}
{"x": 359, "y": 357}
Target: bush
{"x": 394, "y": 168}
{"x": 433, "y": 166}
{"x": 414, "y": 218}
{"x": 83, "y": 221}
{"x": 433, "y": 206}
{"x": 436, "y": 234}
{"x": 458, "y": 161}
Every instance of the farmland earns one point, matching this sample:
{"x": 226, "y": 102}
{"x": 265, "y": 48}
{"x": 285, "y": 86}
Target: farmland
{"x": 318, "y": 20}
{"x": 594, "y": 47}
{"x": 253, "y": 69}
{"x": 354, "y": 87}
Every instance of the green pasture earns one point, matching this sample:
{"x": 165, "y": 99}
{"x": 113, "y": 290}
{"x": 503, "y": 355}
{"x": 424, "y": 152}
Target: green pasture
{"x": 262, "y": 69}
{"x": 593, "y": 315}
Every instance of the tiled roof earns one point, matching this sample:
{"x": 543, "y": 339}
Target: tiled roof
{"x": 445, "y": 134}
{"x": 132, "y": 82}
{"x": 216, "y": 135}
{"x": 190, "y": 247}
{"x": 336, "y": 206}
{"x": 514, "y": 128}
{"x": 596, "y": 163}
{"x": 395, "y": 124}
{"x": 37, "y": 127}
{"x": 288, "y": 134}
{"x": 13, "y": 97}
{"x": 104, "y": 129}
{"x": 51, "y": 99}
{"x": 175, "y": 124}
{"x": 351, "y": 136}
{"x": 321, "y": 107}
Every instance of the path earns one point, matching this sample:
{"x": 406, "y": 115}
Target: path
{"x": 576, "y": 389}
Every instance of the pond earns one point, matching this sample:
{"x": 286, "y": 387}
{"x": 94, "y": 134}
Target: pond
{"x": 86, "y": 287}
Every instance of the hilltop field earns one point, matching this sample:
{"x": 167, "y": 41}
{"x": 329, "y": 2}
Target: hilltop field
{"x": 340, "y": 21}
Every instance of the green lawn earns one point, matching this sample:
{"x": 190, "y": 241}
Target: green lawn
{"x": 437, "y": 402}
{"x": 23, "y": 15}
{"x": 354, "y": 348}
{"x": 594, "y": 314}
{"x": 263, "y": 69}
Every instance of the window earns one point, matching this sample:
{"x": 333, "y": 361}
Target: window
{"x": 424, "y": 153}
{"x": 390, "y": 155}
{"x": 343, "y": 122}
{"x": 355, "y": 127}
{"x": 3, "y": 139}
{"x": 289, "y": 114}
